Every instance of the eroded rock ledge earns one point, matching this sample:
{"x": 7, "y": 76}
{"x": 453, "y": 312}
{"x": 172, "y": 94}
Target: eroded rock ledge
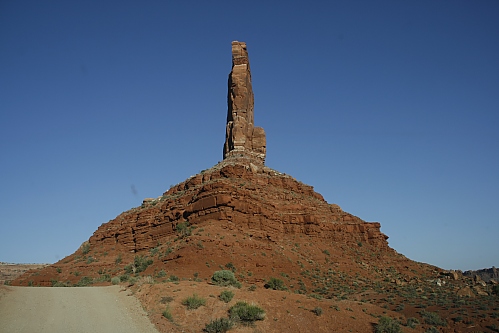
{"x": 256, "y": 199}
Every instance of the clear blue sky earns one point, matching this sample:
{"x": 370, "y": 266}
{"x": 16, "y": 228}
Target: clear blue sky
{"x": 388, "y": 108}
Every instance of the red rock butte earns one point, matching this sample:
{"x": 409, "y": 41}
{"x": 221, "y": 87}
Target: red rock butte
{"x": 260, "y": 223}
{"x": 240, "y": 194}
{"x": 240, "y": 190}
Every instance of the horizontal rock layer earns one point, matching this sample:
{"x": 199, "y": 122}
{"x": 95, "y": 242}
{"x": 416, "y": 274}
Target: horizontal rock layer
{"x": 255, "y": 199}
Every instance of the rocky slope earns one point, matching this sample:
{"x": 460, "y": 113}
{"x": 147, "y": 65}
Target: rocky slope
{"x": 485, "y": 274}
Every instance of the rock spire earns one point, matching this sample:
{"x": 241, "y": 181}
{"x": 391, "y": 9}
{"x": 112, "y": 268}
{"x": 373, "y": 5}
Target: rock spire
{"x": 242, "y": 138}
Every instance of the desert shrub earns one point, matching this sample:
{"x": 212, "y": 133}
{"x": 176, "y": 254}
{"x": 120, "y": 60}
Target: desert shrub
{"x": 252, "y": 287}
{"x": 124, "y": 277}
{"x": 316, "y": 296}
{"x": 104, "y": 278}
{"x": 230, "y": 266}
{"x": 183, "y": 229}
{"x": 412, "y": 322}
{"x": 90, "y": 260}
{"x": 495, "y": 289}
{"x": 56, "y": 283}
{"x": 140, "y": 264}
{"x": 161, "y": 274}
{"x": 220, "y": 325}
{"x": 246, "y": 313}
{"x": 118, "y": 259}
{"x": 432, "y": 330}
{"x": 388, "y": 325}
{"x": 173, "y": 278}
{"x": 85, "y": 247}
{"x": 317, "y": 311}
{"x": 132, "y": 280}
{"x": 432, "y": 318}
{"x": 84, "y": 281}
{"x": 147, "y": 279}
{"x": 193, "y": 302}
{"x": 115, "y": 280}
{"x": 493, "y": 328}
{"x": 154, "y": 250}
{"x": 226, "y": 296}
{"x": 225, "y": 278}
{"x": 167, "y": 314}
{"x": 275, "y": 284}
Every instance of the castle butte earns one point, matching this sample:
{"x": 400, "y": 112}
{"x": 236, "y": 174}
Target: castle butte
{"x": 240, "y": 195}
{"x": 243, "y": 216}
{"x": 240, "y": 191}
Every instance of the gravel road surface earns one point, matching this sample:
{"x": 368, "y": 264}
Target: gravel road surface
{"x": 71, "y": 310}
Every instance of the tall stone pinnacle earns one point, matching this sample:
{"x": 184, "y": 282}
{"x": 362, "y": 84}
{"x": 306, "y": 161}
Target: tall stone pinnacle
{"x": 242, "y": 138}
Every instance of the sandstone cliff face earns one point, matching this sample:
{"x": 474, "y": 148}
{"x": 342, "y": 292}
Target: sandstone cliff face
{"x": 256, "y": 200}
{"x": 242, "y": 137}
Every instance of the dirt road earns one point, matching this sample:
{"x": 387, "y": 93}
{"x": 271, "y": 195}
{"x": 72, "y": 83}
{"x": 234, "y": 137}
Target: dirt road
{"x": 71, "y": 310}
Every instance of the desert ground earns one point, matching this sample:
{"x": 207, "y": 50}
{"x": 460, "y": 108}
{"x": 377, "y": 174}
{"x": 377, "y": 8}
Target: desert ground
{"x": 71, "y": 310}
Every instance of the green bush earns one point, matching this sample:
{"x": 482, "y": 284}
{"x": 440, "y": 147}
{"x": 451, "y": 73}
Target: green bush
{"x": 246, "y": 313}
{"x": 85, "y": 247}
{"x": 432, "y": 330}
{"x": 84, "y": 281}
{"x": 226, "y": 296}
{"x": 317, "y": 310}
{"x": 183, "y": 229}
{"x": 104, "y": 278}
{"x": 275, "y": 284}
{"x": 90, "y": 260}
{"x": 140, "y": 264}
{"x": 388, "y": 325}
{"x": 225, "y": 278}
{"x": 167, "y": 314}
{"x": 432, "y": 318}
{"x": 495, "y": 289}
{"x": 115, "y": 280}
{"x": 231, "y": 267}
{"x": 412, "y": 322}
{"x": 124, "y": 277}
{"x": 220, "y": 325}
{"x": 56, "y": 283}
{"x": 194, "y": 302}
{"x": 161, "y": 274}
{"x": 173, "y": 278}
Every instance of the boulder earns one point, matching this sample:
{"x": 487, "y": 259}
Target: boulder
{"x": 465, "y": 292}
